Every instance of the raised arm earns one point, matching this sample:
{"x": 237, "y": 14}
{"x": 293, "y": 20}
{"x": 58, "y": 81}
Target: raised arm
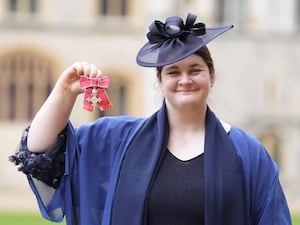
{"x": 52, "y": 117}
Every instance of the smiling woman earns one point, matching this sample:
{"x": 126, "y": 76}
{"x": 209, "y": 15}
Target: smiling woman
{"x": 181, "y": 165}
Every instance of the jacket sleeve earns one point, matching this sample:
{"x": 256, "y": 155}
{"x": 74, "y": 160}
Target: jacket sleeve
{"x": 266, "y": 202}
{"x": 48, "y": 166}
{"x": 90, "y": 153}
{"x": 45, "y": 173}
{"x": 274, "y": 209}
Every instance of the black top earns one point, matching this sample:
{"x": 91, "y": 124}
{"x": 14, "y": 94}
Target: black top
{"x": 177, "y": 194}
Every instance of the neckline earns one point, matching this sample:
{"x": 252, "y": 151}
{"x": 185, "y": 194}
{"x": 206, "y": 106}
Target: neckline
{"x": 187, "y": 160}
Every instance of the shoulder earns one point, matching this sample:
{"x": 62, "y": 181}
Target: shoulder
{"x": 111, "y": 132}
{"x": 240, "y": 137}
{"x": 244, "y": 140}
{"x": 245, "y": 143}
{"x": 237, "y": 134}
{"x": 247, "y": 146}
{"x": 118, "y": 121}
{"x": 115, "y": 124}
{"x": 250, "y": 151}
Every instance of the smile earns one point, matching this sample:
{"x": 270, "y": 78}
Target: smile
{"x": 186, "y": 91}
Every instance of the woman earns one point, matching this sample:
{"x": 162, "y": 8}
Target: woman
{"x": 182, "y": 165}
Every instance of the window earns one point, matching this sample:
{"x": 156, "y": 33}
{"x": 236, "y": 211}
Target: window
{"x": 272, "y": 144}
{"x": 271, "y": 93}
{"x": 118, "y": 96}
{"x": 298, "y": 13}
{"x": 32, "y": 6}
{"x": 12, "y": 4}
{"x": 29, "y": 6}
{"x": 220, "y": 11}
{"x": 25, "y": 83}
{"x": 231, "y": 11}
{"x": 113, "y": 7}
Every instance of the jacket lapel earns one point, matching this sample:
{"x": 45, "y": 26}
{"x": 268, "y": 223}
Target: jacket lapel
{"x": 137, "y": 169}
{"x": 223, "y": 177}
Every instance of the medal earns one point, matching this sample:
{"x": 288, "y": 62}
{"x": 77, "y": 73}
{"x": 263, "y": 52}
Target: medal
{"x": 95, "y": 94}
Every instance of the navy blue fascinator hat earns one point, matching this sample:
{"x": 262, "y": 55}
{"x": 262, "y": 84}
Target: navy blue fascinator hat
{"x": 175, "y": 40}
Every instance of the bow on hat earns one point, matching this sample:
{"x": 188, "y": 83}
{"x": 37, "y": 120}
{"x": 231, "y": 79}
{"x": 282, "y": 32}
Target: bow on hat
{"x": 174, "y": 28}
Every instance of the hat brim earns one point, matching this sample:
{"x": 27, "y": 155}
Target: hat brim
{"x": 154, "y": 55}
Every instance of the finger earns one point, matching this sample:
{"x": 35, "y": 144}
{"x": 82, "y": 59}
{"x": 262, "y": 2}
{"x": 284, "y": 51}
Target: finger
{"x": 86, "y": 69}
{"x": 93, "y": 70}
{"x": 99, "y": 73}
{"x": 78, "y": 66}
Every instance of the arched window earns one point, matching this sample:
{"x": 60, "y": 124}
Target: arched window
{"x": 113, "y": 7}
{"x": 25, "y": 6}
{"x": 25, "y": 83}
{"x": 118, "y": 96}
{"x": 298, "y": 14}
{"x": 272, "y": 144}
{"x": 231, "y": 11}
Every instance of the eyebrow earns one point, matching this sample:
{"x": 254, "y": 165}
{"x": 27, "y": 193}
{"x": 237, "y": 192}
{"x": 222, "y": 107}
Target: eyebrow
{"x": 191, "y": 66}
{"x": 197, "y": 64}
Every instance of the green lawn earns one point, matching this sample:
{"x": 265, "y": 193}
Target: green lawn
{"x": 36, "y": 219}
{"x": 296, "y": 218}
{"x": 11, "y": 218}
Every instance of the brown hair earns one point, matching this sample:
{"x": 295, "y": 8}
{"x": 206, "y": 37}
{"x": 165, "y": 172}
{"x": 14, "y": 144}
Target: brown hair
{"x": 204, "y": 53}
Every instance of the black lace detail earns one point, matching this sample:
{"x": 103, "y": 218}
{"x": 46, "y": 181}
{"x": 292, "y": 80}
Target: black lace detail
{"x": 48, "y": 166}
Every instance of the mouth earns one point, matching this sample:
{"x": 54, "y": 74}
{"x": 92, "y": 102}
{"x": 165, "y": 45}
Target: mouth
{"x": 186, "y": 91}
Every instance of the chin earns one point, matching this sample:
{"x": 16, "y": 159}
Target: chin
{"x": 190, "y": 104}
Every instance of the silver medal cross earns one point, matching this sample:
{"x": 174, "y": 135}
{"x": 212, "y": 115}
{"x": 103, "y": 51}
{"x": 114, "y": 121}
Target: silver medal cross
{"x": 94, "y": 99}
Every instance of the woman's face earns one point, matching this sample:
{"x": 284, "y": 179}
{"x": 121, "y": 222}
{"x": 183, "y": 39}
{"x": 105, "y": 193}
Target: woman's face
{"x": 186, "y": 84}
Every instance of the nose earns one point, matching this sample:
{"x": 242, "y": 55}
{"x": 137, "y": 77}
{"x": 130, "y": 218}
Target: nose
{"x": 184, "y": 79}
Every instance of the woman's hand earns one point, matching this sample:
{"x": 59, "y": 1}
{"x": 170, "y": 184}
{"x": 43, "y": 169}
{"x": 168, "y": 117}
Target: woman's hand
{"x": 52, "y": 117}
{"x": 69, "y": 79}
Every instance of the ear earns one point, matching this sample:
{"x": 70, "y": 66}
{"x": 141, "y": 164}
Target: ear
{"x": 212, "y": 80}
{"x": 158, "y": 80}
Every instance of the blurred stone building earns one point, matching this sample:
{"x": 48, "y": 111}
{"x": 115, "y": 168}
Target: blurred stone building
{"x": 257, "y": 66}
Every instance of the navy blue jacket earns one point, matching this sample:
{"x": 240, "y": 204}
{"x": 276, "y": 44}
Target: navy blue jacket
{"x": 110, "y": 165}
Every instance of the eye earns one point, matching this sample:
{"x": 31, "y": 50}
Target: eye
{"x": 173, "y": 73}
{"x": 195, "y": 71}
